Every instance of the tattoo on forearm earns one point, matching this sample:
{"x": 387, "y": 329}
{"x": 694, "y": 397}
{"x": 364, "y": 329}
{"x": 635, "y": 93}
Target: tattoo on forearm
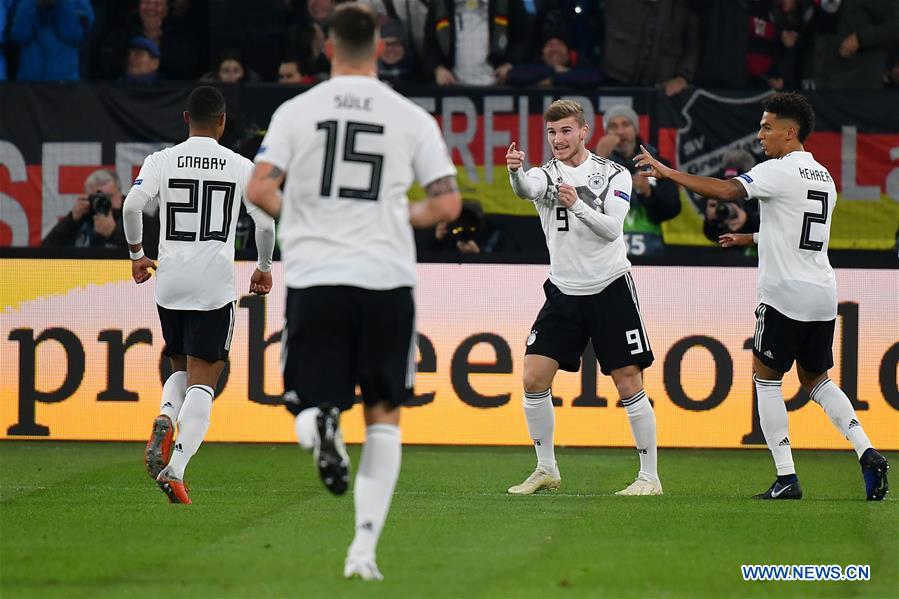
{"x": 441, "y": 186}
{"x": 275, "y": 173}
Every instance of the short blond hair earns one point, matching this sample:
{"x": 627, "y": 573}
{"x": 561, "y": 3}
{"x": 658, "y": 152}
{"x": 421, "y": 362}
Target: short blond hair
{"x": 561, "y": 109}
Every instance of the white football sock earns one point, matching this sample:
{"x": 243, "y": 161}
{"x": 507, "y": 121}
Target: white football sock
{"x": 541, "y": 419}
{"x": 192, "y": 426}
{"x": 773, "y": 419}
{"x": 173, "y": 392}
{"x": 306, "y": 427}
{"x": 839, "y": 409}
{"x": 379, "y": 468}
{"x": 643, "y": 426}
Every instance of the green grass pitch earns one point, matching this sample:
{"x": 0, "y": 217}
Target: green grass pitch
{"x": 84, "y": 520}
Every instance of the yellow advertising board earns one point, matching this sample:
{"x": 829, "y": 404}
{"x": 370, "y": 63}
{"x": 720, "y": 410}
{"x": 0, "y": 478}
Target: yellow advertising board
{"x": 80, "y": 359}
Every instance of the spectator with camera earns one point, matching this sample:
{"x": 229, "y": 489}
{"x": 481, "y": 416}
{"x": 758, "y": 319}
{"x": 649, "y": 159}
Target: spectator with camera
{"x": 96, "y": 218}
{"x": 653, "y": 201}
{"x": 730, "y": 217}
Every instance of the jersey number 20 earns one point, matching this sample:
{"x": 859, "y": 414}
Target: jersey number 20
{"x": 350, "y": 154}
{"x": 211, "y": 189}
{"x": 813, "y": 217}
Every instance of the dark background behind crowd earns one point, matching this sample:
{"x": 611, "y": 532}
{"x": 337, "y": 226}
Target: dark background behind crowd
{"x": 779, "y": 44}
{"x": 576, "y": 44}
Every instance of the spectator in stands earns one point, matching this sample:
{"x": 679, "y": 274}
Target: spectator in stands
{"x": 143, "y": 62}
{"x": 307, "y": 42}
{"x": 891, "y": 77}
{"x": 289, "y": 73}
{"x": 730, "y": 217}
{"x": 395, "y": 65}
{"x": 320, "y": 12}
{"x": 652, "y": 201}
{"x": 650, "y": 42}
{"x": 4, "y": 11}
{"x": 49, "y": 33}
{"x": 579, "y": 23}
{"x": 559, "y": 66}
{"x": 475, "y": 42}
{"x": 412, "y": 14}
{"x": 852, "y": 38}
{"x": 230, "y": 69}
{"x": 96, "y": 218}
{"x": 177, "y": 54}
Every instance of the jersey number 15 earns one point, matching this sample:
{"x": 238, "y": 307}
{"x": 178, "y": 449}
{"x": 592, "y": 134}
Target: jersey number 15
{"x": 350, "y": 154}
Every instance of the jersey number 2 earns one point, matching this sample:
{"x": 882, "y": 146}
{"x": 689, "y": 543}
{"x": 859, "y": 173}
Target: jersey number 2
{"x": 210, "y": 189}
{"x": 350, "y": 154}
{"x": 813, "y": 217}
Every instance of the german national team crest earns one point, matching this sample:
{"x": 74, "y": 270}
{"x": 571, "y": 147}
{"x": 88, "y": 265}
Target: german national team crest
{"x": 596, "y": 182}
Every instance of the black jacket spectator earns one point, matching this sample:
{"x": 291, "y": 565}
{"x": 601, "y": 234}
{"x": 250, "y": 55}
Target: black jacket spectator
{"x": 851, "y": 44}
{"x": 506, "y": 22}
{"x": 650, "y": 43}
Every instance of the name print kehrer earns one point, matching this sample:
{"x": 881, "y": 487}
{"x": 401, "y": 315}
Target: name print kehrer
{"x": 202, "y": 162}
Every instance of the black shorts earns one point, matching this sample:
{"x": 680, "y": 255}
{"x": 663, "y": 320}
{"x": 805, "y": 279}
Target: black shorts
{"x": 611, "y": 318}
{"x": 204, "y": 334}
{"x": 336, "y": 337}
{"x": 779, "y": 340}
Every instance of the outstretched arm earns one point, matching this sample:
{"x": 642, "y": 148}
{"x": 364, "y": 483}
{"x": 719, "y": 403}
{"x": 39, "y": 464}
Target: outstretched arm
{"x": 724, "y": 190}
{"x": 525, "y": 186}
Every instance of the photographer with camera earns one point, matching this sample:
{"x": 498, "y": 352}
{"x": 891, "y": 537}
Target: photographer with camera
{"x": 96, "y": 218}
{"x": 730, "y": 217}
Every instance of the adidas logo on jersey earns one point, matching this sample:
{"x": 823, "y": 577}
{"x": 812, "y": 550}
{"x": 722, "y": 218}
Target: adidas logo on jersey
{"x": 178, "y": 447}
{"x": 784, "y": 442}
{"x": 367, "y": 526}
{"x": 167, "y": 404}
{"x": 768, "y": 354}
{"x": 854, "y": 423}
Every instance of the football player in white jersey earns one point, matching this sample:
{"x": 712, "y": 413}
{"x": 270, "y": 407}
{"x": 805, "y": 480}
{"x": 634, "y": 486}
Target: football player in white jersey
{"x": 349, "y": 149}
{"x": 199, "y": 185}
{"x": 582, "y": 201}
{"x": 796, "y": 285}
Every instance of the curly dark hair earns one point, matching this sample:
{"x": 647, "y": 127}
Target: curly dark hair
{"x": 793, "y": 106}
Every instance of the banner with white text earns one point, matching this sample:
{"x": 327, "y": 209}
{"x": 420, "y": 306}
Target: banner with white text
{"x": 80, "y": 359}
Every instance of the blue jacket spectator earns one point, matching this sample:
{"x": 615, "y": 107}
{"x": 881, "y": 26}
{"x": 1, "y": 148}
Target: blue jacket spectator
{"x": 49, "y": 33}
{"x": 4, "y": 10}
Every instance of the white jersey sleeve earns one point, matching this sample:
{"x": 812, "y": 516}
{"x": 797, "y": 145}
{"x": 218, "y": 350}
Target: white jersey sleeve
{"x": 145, "y": 188}
{"x": 761, "y": 181}
{"x": 607, "y": 221}
{"x": 432, "y": 160}
{"x": 276, "y": 148}
{"x": 264, "y": 224}
{"x": 531, "y": 185}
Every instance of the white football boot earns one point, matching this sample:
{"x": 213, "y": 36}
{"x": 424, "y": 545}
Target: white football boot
{"x": 644, "y": 485}
{"x": 539, "y": 479}
{"x": 361, "y": 567}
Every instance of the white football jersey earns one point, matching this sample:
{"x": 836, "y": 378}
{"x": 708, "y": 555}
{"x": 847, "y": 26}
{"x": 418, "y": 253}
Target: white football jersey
{"x": 796, "y": 200}
{"x": 581, "y": 262}
{"x": 200, "y": 185}
{"x": 351, "y": 148}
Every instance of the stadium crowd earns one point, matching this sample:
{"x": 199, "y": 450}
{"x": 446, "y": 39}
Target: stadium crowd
{"x": 572, "y": 44}
{"x": 778, "y": 44}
